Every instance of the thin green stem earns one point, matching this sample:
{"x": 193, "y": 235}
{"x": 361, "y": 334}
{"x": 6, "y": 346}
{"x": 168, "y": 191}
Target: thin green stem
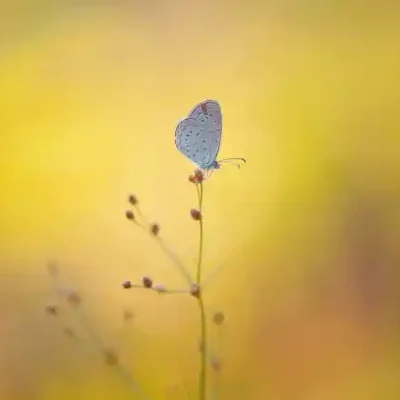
{"x": 123, "y": 373}
{"x": 175, "y": 259}
{"x": 217, "y": 374}
{"x": 200, "y": 257}
{"x": 203, "y": 350}
{"x": 166, "y": 249}
{"x": 203, "y": 331}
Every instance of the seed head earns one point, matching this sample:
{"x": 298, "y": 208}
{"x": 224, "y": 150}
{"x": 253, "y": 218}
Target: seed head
{"x": 74, "y": 298}
{"x": 132, "y": 199}
{"x": 52, "y": 309}
{"x": 128, "y": 315}
{"x": 154, "y": 229}
{"x": 127, "y": 284}
{"x": 195, "y": 290}
{"x": 129, "y": 214}
{"x": 110, "y": 357}
{"x": 195, "y": 214}
{"x": 147, "y": 282}
{"x": 198, "y": 176}
{"x": 218, "y": 318}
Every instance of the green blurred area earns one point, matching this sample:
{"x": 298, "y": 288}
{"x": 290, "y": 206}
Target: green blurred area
{"x": 307, "y": 232}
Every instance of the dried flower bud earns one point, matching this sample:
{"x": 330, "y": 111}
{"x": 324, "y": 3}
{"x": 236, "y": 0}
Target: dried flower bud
{"x": 198, "y": 176}
{"x": 110, "y": 357}
{"x": 74, "y": 298}
{"x": 128, "y": 315}
{"x": 129, "y": 214}
{"x": 147, "y": 282}
{"x": 52, "y": 309}
{"x": 195, "y": 214}
{"x": 160, "y": 288}
{"x": 218, "y": 318}
{"x": 132, "y": 199}
{"x": 154, "y": 229}
{"x": 195, "y": 290}
{"x": 127, "y": 284}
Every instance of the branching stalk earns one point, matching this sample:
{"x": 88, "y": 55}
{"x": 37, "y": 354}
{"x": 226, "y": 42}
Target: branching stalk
{"x": 203, "y": 331}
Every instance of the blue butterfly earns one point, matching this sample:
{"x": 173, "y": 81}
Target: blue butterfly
{"x": 198, "y": 137}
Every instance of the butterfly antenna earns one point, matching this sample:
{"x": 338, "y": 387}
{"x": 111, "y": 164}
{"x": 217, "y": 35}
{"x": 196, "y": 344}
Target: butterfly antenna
{"x": 232, "y": 161}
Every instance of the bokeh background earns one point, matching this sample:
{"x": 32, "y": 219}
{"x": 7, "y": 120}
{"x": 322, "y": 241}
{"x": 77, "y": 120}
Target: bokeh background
{"x": 307, "y": 234}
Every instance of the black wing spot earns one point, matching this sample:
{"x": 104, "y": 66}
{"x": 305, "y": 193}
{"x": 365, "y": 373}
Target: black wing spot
{"x": 198, "y": 134}
{"x": 204, "y": 141}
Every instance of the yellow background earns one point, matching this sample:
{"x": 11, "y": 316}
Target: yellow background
{"x": 307, "y": 232}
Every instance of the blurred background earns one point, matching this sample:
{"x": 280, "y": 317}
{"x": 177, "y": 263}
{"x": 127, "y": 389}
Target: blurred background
{"x": 306, "y": 233}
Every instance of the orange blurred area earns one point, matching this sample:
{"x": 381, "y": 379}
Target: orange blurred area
{"x": 306, "y": 233}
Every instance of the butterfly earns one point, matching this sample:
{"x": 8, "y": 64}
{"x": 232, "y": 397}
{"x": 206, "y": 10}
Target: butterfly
{"x": 198, "y": 136}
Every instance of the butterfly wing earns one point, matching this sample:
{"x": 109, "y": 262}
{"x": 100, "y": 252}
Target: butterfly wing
{"x": 198, "y": 137}
{"x": 208, "y": 113}
{"x": 191, "y": 141}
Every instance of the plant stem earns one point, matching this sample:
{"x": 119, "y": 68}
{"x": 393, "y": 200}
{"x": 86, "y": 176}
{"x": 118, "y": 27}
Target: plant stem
{"x": 203, "y": 350}
{"x": 175, "y": 259}
{"x": 123, "y": 373}
{"x": 200, "y": 258}
{"x": 167, "y": 250}
{"x": 203, "y": 331}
